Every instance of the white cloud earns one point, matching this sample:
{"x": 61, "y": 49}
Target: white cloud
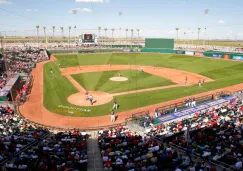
{"x": 94, "y": 1}
{"x": 29, "y": 10}
{"x": 240, "y": 34}
{"x": 221, "y": 21}
{"x": 76, "y": 10}
{"x": 85, "y": 10}
{"x": 172, "y": 31}
{"x": 5, "y": 2}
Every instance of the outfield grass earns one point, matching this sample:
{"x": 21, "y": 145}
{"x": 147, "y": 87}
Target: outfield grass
{"x": 136, "y": 80}
{"x": 225, "y": 73}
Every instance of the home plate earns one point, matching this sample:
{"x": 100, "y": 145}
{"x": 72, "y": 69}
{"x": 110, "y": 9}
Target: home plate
{"x": 118, "y": 79}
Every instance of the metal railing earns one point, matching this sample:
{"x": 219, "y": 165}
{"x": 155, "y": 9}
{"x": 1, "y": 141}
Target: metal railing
{"x": 181, "y": 105}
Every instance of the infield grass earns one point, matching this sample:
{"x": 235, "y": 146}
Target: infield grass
{"x": 57, "y": 89}
{"x": 100, "y": 81}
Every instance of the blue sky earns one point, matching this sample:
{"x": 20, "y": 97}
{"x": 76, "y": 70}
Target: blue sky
{"x": 155, "y": 18}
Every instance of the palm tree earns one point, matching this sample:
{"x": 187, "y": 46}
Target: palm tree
{"x": 198, "y": 33}
{"x": 44, "y": 28}
{"x": 99, "y": 28}
{"x": 53, "y": 30}
{"x": 69, "y": 29}
{"x": 177, "y": 32}
{"x": 37, "y": 29}
{"x": 112, "y": 36}
{"x": 105, "y": 32}
{"x": 131, "y": 36}
{"x": 62, "y": 30}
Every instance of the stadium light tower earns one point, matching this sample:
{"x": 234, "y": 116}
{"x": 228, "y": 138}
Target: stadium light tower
{"x": 37, "y": 29}
{"x": 105, "y": 29}
{"x": 198, "y": 34}
{"x": 126, "y": 34}
{"x": 112, "y": 36}
{"x": 69, "y": 29}
{"x": 206, "y": 11}
{"x": 177, "y": 32}
{"x": 99, "y": 28}
{"x": 44, "y": 28}
{"x": 138, "y": 37}
{"x": 131, "y": 36}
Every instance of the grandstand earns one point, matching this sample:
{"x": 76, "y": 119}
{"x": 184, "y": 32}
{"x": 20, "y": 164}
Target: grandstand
{"x": 78, "y": 98}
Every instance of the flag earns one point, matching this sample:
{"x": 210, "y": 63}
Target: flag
{"x": 75, "y": 27}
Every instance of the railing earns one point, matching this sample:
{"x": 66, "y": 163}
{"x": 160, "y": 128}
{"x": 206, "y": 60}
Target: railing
{"x": 181, "y": 105}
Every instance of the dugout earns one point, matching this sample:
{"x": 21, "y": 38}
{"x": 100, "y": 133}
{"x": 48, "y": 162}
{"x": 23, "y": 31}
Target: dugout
{"x": 9, "y": 90}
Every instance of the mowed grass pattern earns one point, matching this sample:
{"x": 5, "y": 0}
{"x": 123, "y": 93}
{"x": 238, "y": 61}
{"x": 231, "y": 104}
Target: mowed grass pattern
{"x": 100, "y": 81}
{"x": 56, "y": 90}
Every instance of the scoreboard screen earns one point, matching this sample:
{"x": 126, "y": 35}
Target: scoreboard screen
{"x": 88, "y": 38}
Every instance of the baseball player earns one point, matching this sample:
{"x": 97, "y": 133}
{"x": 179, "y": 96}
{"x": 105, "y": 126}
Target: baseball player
{"x": 59, "y": 65}
{"x": 86, "y": 95}
{"x": 113, "y": 117}
{"x": 91, "y": 99}
{"x": 199, "y": 83}
{"x": 51, "y": 71}
{"x": 115, "y": 106}
{"x": 119, "y": 73}
{"x": 186, "y": 79}
{"x": 203, "y": 81}
{"x": 142, "y": 69}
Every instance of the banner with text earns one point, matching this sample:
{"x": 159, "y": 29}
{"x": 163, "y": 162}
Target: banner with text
{"x": 189, "y": 53}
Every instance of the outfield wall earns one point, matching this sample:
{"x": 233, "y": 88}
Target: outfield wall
{"x": 159, "y": 43}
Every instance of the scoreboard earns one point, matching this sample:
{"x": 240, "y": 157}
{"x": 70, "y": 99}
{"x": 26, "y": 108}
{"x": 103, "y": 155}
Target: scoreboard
{"x": 88, "y": 38}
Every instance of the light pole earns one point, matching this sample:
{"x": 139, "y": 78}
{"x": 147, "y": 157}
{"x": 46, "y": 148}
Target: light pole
{"x": 112, "y": 37}
{"x": 105, "y": 35}
{"x": 69, "y": 29}
{"x": 138, "y": 36}
{"x": 177, "y": 32}
{"x": 131, "y": 36}
{"x": 37, "y": 29}
{"x": 53, "y": 32}
{"x": 198, "y": 34}
{"x": 126, "y": 34}
{"x": 99, "y": 28}
{"x": 44, "y": 28}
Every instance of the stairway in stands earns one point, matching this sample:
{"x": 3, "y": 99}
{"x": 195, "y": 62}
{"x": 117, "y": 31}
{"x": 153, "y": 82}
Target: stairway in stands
{"x": 95, "y": 162}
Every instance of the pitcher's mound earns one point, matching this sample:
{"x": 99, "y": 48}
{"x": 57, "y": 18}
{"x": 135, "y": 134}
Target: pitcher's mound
{"x": 99, "y": 98}
{"x": 118, "y": 79}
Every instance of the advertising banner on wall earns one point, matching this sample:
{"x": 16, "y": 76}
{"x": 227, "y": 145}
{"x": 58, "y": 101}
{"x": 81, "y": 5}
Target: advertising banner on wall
{"x": 180, "y": 52}
{"x": 237, "y": 57}
{"x": 226, "y": 57}
{"x": 198, "y": 53}
{"x": 217, "y": 56}
{"x": 189, "y": 53}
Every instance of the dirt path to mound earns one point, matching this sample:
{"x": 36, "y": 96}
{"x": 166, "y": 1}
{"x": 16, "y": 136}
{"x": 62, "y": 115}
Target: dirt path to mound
{"x": 34, "y": 110}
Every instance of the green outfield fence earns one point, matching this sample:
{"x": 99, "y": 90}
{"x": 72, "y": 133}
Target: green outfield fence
{"x": 159, "y": 43}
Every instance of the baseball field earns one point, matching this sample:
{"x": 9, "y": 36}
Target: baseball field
{"x": 162, "y": 80}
